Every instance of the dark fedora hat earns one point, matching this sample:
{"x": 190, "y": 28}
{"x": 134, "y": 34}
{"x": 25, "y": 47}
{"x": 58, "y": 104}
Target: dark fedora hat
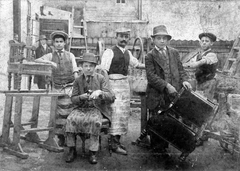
{"x": 161, "y": 30}
{"x": 209, "y": 35}
{"x": 89, "y": 57}
{"x": 42, "y": 37}
{"x": 59, "y": 33}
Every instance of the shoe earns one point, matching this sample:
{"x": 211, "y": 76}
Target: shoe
{"x": 72, "y": 153}
{"x": 120, "y": 150}
{"x": 93, "y": 157}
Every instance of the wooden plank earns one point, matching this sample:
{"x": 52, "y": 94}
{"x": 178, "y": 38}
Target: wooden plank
{"x": 17, "y": 120}
{"x": 7, "y": 119}
{"x": 30, "y": 93}
{"x": 52, "y": 120}
{"x": 35, "y": 111}
{"x": 36, "y": 130}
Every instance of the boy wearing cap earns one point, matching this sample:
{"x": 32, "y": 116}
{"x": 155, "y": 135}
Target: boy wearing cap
{"x": 116, "y": 61}
{"x": 42, "y": 49}
{"x": 205, "y": 64}
{"x": 90, "y": 95}
{"x": 65, "y": 71}
{"x": 165, "y": 75}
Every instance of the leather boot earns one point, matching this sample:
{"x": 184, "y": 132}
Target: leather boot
{"x": 93, "y": 157}
{"x": 117, "y": 147}
{"x": 72, "y": 153}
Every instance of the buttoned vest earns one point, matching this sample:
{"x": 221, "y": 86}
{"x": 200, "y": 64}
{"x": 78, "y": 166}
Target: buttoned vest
{"x": 120, "y": 62}
{"x": 205, "y": 72}
{"x": 63, "y": 74}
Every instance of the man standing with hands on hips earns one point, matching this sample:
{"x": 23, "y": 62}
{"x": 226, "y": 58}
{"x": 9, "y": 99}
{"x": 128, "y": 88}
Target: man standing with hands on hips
{"x": 116, "y": 62}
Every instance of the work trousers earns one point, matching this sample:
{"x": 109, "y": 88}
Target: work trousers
{"x": 93, "y": 140}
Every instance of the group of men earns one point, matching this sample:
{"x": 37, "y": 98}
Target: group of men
{"x": 92, "y": 93}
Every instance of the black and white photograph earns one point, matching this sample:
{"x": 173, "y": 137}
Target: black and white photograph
{"x": 120, "y": 85}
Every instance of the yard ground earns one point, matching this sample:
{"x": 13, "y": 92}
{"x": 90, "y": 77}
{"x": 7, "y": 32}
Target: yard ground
{"x": 210, "y": 157}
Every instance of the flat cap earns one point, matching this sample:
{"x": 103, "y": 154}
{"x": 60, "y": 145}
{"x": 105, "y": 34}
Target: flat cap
{"x": 123, "y": 30}
{"x": 59, "y": 33}
{"x": 209, "y": 35}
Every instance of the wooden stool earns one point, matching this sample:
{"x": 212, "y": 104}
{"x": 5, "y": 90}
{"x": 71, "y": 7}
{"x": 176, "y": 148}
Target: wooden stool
{"x": 15, "y": 146}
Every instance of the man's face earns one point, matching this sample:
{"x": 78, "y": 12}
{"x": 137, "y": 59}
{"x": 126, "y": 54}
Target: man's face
{"x": 122, "y": 39}
{"x": 88, "y": 68}
{"x": 205, "y": 43}
{"x": 43, "y": 41}
{"x": 59, "y": 43}
{"x": 160, "y": 41}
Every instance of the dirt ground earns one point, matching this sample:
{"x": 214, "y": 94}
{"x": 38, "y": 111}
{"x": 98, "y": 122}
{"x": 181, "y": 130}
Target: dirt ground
{"x": 209, "y": 157}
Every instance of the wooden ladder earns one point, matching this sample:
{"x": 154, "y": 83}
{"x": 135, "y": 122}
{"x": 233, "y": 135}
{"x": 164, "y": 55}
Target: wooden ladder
{"x": 78, "y": 38}
{"x": 233, "y": 59}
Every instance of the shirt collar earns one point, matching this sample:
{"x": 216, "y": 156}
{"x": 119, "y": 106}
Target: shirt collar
{"x": 85, "y": 76}
{"x": 122, "y": 49}
{"x": 165, "y": 48}
{"x": 203, "y": 52}
{"x": 61, "y": 50}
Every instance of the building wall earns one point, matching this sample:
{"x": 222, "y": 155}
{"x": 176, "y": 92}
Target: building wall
{"x": 185, "y": 19}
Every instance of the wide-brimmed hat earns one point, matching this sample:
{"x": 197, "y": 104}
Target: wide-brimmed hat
{"x": 42, "y": 37}
{"x": 209, "y": 35}
{"x": 123, "y": 30}
{"x": 60, "y": 33}
{"x": 89, "y": 57}
{"x": 161, "y": 30}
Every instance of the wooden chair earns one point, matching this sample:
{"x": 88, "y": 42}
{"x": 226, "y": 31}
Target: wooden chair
{"x": 21, "y": 63}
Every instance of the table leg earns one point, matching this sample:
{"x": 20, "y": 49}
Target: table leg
{"x": 51, "y": 143}
{"x": 16, "y": 148}
{"x": 4, "y": 139}
{"x": 143, "y": 112}
{"x": 33, "y": 136}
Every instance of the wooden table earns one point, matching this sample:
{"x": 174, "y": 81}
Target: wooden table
{"x": 15, "y": 147}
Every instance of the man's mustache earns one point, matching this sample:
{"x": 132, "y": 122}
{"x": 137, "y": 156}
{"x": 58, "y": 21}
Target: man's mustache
{"x": 123, "y": 41}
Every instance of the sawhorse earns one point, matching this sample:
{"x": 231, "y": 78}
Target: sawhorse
{"x": 15, "y": 147}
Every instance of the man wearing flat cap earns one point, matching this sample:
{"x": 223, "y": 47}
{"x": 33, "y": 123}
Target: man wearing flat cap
{"x": 65, "y": 71}
{"x": 166, "y": 76}
{"x": 90, "y": 94}
{"x": 204, "y": 61}
{"x": 42, "y": 49}
{"x": 116, "y": 62}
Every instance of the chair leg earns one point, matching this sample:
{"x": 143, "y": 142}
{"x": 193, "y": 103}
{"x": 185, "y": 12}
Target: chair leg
{"x": 110, "y": 144}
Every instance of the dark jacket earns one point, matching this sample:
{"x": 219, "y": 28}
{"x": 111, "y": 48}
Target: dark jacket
{"x": 39, "y": 53}
{"x": 156, "y": 89}
{"x": 99, "y": 83}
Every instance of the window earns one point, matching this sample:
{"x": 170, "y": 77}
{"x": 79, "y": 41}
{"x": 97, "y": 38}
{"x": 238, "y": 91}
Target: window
{"x": 121, "y": 1}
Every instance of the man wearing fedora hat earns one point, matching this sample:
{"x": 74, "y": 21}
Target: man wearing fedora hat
{"x": 42, "y": 49}
{"x": 204, "y": 61}
{"x": 165, "y": 75}
{"x": 116, "y": 61}
{"x": 90, "y": 94}
{"x": 65, "y": 71}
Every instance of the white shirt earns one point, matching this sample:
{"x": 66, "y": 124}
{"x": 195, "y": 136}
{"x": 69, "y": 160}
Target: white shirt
{"x": 48, "y": 57}
{"x": 211, "y": 58}
{"x": 108, "y": 56}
